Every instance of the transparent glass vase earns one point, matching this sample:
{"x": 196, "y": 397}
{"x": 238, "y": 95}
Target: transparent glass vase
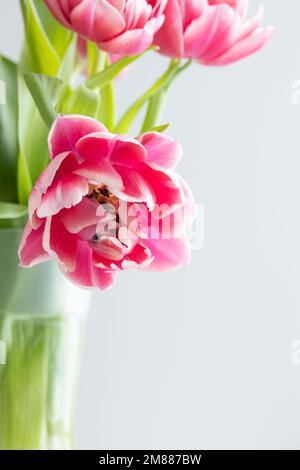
{"x": 42, "y": 319}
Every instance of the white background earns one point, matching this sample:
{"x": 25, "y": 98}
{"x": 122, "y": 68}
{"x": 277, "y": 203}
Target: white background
{"x": 201, "y": 357}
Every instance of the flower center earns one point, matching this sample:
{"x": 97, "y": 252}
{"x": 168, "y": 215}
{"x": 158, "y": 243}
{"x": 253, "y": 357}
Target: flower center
{"x": 108, "y": 216}
{"x": 103, "y": 196}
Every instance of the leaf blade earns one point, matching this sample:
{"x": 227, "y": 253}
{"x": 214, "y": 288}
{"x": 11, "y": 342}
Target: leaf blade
{"x": 40, "y": 57}
{"x": 82, "y": 101}
{"x": 43, "y": 90}
{"x": 12, "y": 211}
{"x": 8, "y": 129}
{"x": 101, "y": 79}
{"x": 33, "y": 142}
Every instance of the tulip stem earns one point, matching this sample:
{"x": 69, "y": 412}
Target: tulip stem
{"x": 108, "y": 106}
{"x": 161, "y": 83}
{"x": 96, "y": 59}
{"x": 106, "y": 113}
{"x": 155, "y": 108}
{"x": 158, "y": 101}
{"x": 111, "y": 71}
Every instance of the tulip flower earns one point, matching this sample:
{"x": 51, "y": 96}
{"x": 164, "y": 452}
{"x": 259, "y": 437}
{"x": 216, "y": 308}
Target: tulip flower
{"x": 106, "y": 203}
{"x": 122, "y": 27}
{"x": 212, "y": 32}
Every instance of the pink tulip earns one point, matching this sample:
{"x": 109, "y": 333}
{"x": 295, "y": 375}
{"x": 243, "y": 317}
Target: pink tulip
{"x": 123, "y": 27}
{"x": 212, "y": 32}
{"x": 106, "y": 203}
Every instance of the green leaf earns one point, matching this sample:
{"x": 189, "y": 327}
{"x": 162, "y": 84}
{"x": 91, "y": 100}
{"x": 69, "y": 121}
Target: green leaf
{"x": 8, "y": 129}
{"x": 82, "y": 101}
{"x": 33, "y": 142}
{"x": 24, "y": 179}
{"x": 59, "y": 36}
{"x": 161, "y": 128}
{"x": 45, "y": 92}
{"x": 103, "y": 78}
{"x": 40, "y": 56}
{"x": 66, "y": 68}
{"x": 63, "y": 98}
{"x": 12, "y": 211}
{"x": 164, "y": 81}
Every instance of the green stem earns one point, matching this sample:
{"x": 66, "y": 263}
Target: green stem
{"x": 163, "y": 81}
{"x": 103, "y": 77}
{"x": 154, "y": 110}
{"x": 106, "y": 113}
{"x": 94, "y": 57}
{"x": 157, "y": 102}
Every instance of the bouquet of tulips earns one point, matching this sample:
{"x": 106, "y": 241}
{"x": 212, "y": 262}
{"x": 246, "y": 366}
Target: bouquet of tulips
{"x": 78, "y": 187}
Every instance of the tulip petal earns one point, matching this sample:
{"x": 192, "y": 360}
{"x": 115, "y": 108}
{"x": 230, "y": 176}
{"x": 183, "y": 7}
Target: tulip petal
{"x": 166, "y": 188}
{"x": 60, "y": 243}
{"x": 162, "y": 150}
{"x": 135, "y": 187}
{"x": 192, "y": 9}
{"x": 136, "y": 14}
{"x": 168, "y": 254}
{"x": 100, "y": 173}
{"x": 109, "y": 248}
{"x": 59, "y": 13}
{"x": 170, "y": 37}
{"x": 68, "y": 192}
{"x": 127, "y": 151}
{"x": 227, "y": 30}
{"x": 251, "y": 26}
{"x": 135, "y": 41}
{"x": 86, "y": 273}
{"x": 67, "y": 130}
{"x": 31, "y": 249}
{"x": 246, "y": 47}
{"x": 104, "y": 279}
{"x": 81, "y": 216}
{"x": 140, "y": 255}
{"x": 200, "y": 33}
{"x": 44, "y": 181}
{"x": 95, "y": 146}
{"x": 97, "y": 21}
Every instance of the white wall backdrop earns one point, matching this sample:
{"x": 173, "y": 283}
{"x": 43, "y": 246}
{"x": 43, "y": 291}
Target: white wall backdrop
{"x": 202, "y": 357}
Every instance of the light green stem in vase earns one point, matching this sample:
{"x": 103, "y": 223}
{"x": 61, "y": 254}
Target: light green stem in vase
{"x": 41, "y": 327}
{"x": 37, "y": 382}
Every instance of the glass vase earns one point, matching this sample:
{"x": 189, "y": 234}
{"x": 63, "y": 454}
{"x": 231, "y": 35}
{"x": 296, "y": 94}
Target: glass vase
{"x": 42, "y": 319}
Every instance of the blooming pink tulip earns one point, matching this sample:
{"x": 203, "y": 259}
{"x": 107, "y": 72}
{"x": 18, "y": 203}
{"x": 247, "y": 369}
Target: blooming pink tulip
{"x": 123, "y": 27}
{"x": 106, "y": 203}
{"x": 212, "y": 32}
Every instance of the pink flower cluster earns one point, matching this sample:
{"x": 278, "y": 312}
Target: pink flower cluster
{"x": 106, "y": 203}
{"x": 212, "y": 32}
